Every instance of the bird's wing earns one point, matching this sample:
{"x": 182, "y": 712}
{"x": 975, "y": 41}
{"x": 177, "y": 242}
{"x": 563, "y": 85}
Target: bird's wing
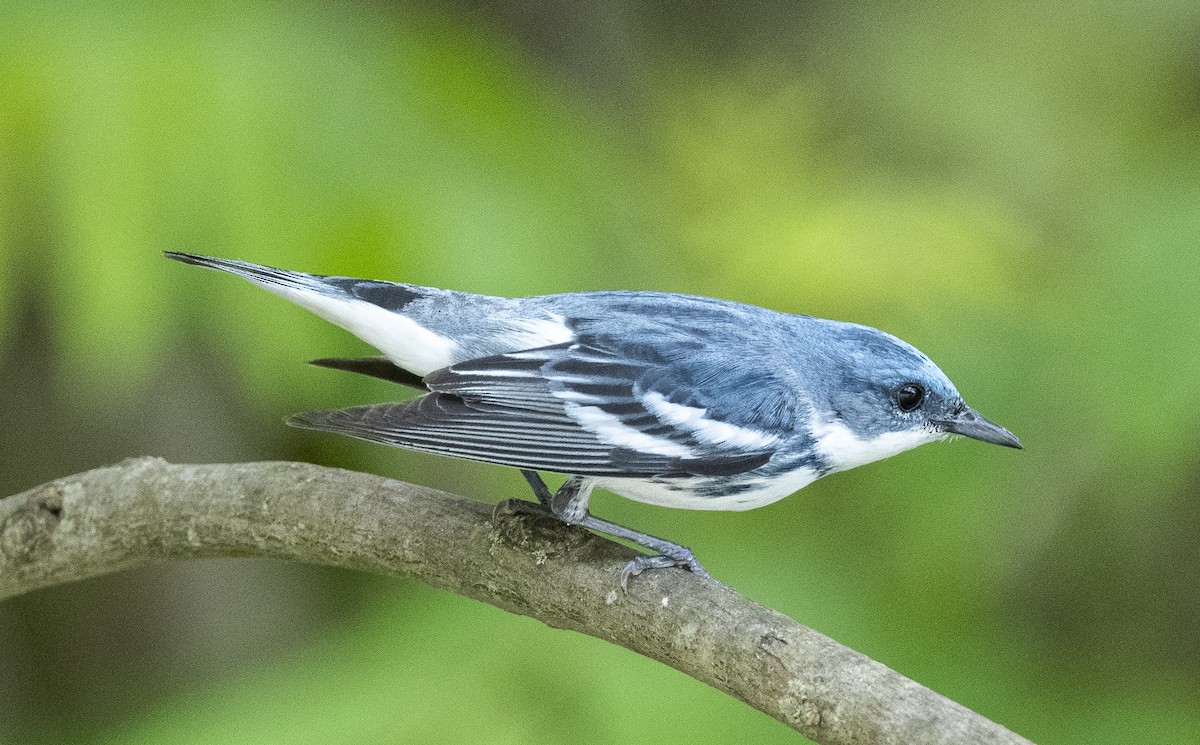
{"x": 574, "y": 408}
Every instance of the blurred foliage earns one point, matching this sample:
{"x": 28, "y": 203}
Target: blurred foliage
{"x": 1011, "y": 188}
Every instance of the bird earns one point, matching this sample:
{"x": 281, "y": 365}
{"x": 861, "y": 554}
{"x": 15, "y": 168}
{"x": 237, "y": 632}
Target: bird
{"x": 667, "y": 399}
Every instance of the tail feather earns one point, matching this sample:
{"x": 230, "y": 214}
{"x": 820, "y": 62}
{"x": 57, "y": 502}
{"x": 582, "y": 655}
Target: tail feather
{"x": 375, "y": 367}
{"x": 265, "y": 275}
{"x": 375, "y": 311}
{"x": 420, "y": 329}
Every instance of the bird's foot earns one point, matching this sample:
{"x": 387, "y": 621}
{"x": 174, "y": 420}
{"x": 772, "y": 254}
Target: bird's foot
{"x": 682, "y": 558}
{"x": 569, "y": 504}
{"x": 507, "y": 507}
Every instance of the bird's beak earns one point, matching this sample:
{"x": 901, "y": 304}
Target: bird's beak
{"x": 970, "y": 423}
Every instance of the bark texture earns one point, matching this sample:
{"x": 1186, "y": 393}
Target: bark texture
{"x": 513, "y": 557}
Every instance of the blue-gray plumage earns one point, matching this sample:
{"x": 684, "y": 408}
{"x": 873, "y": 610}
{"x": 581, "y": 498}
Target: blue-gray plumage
{"x": 674, "y": 400}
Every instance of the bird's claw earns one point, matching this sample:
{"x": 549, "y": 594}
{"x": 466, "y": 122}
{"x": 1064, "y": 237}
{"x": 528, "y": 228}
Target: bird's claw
{"x": 683, "y": 560}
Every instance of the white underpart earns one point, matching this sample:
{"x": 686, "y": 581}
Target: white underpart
{"x": 613, "y": 431}
{"x": 402, "y": 340}
{"x": 843, "y": 449}
{"x": 711, "y": 431}
{"x": 663, "y": 495}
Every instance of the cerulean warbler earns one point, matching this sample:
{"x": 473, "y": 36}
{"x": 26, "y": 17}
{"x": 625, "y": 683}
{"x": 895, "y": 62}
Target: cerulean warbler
{"x": 674, "y": 400}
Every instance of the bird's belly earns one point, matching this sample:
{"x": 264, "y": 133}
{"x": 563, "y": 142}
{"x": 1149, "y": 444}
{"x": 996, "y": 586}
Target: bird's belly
{"x": 733, "y": 494}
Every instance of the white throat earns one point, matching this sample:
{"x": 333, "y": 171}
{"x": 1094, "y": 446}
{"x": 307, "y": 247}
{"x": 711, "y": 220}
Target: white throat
{"x": 843, "y": 449}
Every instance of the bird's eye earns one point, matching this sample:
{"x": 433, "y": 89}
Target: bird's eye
{"x": 909, "y": 396}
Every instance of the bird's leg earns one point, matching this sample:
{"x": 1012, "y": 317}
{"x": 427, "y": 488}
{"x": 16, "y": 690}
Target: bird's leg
{"x": 669, "y": 554}
{"x": 570, "y": 503}
{"x": 540, "y": 490}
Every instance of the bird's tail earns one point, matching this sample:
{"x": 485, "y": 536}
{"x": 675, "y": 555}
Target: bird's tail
{"x": 419, "y": 329}
{"x": 268, "y": 276}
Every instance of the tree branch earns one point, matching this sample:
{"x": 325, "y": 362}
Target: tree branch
{"x": 517, "y": 559}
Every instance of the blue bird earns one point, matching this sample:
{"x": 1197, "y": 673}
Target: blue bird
{"x": 673, "y": 400}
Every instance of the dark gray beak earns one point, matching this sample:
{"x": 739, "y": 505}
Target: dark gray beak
{"x": 970, "y": 423}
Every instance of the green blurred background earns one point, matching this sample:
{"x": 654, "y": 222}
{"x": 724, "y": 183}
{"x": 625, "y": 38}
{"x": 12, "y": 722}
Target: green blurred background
{"x": 1014, "y": 189}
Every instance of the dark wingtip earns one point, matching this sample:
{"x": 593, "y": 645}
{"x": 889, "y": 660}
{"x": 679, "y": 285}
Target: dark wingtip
{"x": 366, "y": 422}
{"x": 321, "y": 420}
{"x": 300, "y": 421}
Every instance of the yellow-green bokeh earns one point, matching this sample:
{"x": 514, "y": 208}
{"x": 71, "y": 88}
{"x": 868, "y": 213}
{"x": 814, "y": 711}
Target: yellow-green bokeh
{"x": 1014, "y": 189}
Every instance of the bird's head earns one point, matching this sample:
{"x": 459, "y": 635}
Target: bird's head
{"x": 885, "y": 397}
